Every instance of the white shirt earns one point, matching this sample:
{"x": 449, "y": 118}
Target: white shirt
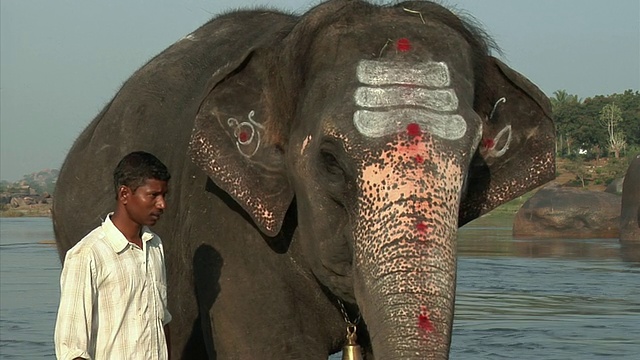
{"x": 113, "y": 302}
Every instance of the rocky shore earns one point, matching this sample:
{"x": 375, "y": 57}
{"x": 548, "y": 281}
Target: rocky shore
{"x": 39, "y": 210}
{"x": 31, "y": 196}
{"x": 20, "y": 205}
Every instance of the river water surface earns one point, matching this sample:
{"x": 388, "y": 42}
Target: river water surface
{"x": 516, "y": 299}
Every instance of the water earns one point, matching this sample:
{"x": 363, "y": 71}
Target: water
{"x": 29, "y": 288}
{"x": 542, "y": 299}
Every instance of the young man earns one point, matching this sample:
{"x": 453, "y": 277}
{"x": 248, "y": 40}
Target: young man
{"x": 113, "y": 302}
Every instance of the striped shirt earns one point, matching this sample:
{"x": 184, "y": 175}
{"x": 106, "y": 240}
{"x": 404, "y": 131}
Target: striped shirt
{"x": 113, "y": 302}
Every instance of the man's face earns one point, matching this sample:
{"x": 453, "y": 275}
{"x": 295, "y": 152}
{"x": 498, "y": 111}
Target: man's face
{"x": 145, "y": 205}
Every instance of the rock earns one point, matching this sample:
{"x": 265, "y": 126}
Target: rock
{"x": 16, "y": 202}
{"x": 615, "y": 187}
{"x": 630, "y": 207}
{"x": 561, "y": 212}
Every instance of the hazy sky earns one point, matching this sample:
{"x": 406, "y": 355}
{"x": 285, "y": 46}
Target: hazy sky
{"x": 62, "y": 61}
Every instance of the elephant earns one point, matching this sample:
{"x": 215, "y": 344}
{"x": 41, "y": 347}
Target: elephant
{"x": 630, "y": 206}
{"x": 321, "y": 166}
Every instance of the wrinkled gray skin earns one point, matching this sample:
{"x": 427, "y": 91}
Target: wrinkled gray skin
{"x": 280, "y": 206}
{"x": 630, "y": 208}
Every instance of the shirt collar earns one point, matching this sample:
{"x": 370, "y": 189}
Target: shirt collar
{"x": 116, "y": 239}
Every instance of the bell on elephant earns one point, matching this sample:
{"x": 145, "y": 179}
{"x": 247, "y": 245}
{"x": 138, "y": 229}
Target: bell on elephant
{"x": 351, "y": 350}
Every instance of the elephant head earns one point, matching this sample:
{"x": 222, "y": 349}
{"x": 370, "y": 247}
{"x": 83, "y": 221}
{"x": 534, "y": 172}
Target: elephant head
{"x": 388, "y": 127}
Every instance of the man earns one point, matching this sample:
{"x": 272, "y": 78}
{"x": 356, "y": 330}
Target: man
{"x": 113, "y": 302}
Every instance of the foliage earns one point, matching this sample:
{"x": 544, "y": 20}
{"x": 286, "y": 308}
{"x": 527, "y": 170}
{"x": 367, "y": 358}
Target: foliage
{"x": 561, "y": 98}
{"x": 632, "y": 151}
{"x": 579, "y": 122}
{"x": 590, "y": 172}
{"x": 4, "y": 185}
{"x": 578, "y": 168}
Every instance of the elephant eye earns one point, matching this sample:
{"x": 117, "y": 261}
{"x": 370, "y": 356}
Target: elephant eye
{"x": 330, "y": 163}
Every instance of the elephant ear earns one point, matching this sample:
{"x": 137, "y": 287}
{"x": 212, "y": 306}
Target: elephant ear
{"x": 231, "y": 143}
{"x": 517, "y": 150}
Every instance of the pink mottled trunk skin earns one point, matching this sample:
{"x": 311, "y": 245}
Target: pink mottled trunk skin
{"x": 405, "y": 251}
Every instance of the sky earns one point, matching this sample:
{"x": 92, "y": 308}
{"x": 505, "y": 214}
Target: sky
{"x": 62, "y": 61}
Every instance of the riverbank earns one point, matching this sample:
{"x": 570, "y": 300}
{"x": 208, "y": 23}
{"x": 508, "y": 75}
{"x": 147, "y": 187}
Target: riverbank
{"x": 39, "y": 210}
{"x": 594, "y": 174}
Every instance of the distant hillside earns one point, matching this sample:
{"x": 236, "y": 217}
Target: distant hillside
{"x": 43, "y": 181}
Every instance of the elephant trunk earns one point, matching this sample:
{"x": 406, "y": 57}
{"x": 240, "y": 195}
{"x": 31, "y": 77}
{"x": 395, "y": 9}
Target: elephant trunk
{"x": 405, "y": 255}
{"x": 406, "y": 292}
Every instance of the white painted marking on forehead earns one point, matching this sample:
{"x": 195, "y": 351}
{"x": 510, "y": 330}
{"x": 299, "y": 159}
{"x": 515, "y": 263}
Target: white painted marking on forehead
{"x": 431, "y": 74}
{"x": 441, "y": 99}
{"x": 396, "y": 94}
{"x": 376, "y": 124}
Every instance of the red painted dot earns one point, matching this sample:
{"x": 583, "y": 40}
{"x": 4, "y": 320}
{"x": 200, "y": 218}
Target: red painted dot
{"x": 424, "y": 323}
{"x": 488, "y": 143}
{"x": 403, "y": 45}
{"x": 413, "y": 129}
{"x": 243, "y": 136}
{"x": 419, "y": 159}
{"x": 422, "y": 227}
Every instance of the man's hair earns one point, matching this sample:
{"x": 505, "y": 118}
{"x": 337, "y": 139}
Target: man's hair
{"x": 136, "y": 168}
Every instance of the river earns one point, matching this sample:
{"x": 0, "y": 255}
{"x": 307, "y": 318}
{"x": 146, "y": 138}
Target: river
{"x": 516, "y": 299}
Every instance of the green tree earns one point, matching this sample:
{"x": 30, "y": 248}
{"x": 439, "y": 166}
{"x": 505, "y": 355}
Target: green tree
{"x": 565, "y": 109}
{"x": 580, "y": 121}
{"x": 579, "y": 169}
{"x": 562, "y": 98}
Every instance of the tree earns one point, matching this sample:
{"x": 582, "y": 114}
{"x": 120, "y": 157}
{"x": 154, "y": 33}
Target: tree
{"x": 610, "y": 118}
{"x": 568, "y": 142}
{"x": 570, "y": 120}
{"x": 595, "y": 149}
{"x": 579, "y": 169}
{"x": 562, "y": 98}
{"x": 629, "y": 103}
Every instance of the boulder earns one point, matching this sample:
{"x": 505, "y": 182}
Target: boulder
{"x": 16, "y": 202}
{"x": 615, "y": 187}
{"x": 567, "y": 213}
{"x": 630, "y": 207}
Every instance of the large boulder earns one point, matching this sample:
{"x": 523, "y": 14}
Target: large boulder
{"x": 562, "y": 212}
{"x": 615, "y": 187}
{"x": 630, "y": 209}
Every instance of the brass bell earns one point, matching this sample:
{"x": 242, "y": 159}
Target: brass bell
{"x": 351, "y": 350}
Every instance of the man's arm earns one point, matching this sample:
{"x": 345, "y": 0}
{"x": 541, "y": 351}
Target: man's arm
{"x": 73, "y": 323}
